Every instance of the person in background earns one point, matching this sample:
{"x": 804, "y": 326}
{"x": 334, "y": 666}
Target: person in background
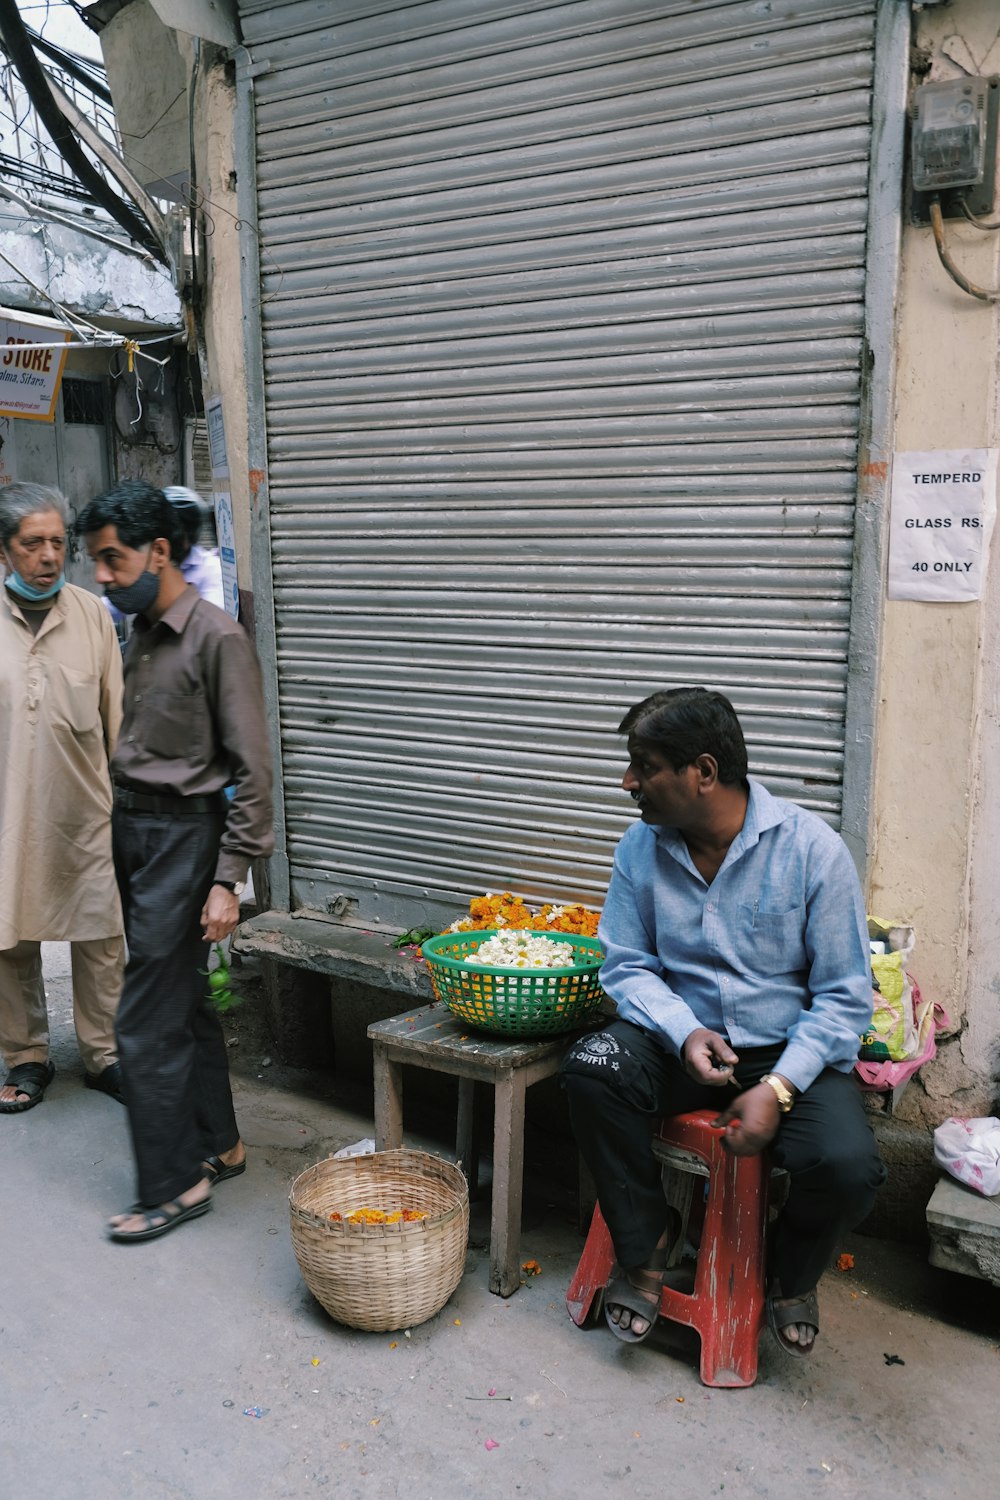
{"x": 194, "y": 723}
{"x": 60, "y": 709}
{"x": 198, "y": 566}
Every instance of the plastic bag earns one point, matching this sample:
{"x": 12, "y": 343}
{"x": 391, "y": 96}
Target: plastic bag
{"x": 365, "y": 1147}
{"x": 882, "y": 1074}
{"x": 969, "y": 1149}
{"x": 902, "y": 1020}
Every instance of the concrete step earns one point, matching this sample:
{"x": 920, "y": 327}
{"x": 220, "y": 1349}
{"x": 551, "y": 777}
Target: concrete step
{"x": 965, "y": 1230}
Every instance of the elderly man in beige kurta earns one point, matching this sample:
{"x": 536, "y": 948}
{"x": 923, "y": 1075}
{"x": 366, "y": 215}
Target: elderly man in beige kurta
{"x": 60, "y": 710}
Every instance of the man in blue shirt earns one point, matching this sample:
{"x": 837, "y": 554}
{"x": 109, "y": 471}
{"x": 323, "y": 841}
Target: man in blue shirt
{"x": 736, "y": 950}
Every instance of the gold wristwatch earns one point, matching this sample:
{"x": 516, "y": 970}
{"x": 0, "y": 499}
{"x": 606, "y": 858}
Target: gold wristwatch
{"x": 783, "y": 1093}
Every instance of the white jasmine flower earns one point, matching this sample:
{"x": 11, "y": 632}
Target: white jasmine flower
{"x": 518, "y": 949}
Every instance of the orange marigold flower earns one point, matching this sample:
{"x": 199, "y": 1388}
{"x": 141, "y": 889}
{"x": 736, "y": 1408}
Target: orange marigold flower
{"x": 845, "y": 1262}
{"x": 504, "y": 909}
{"x": 379, "y": 1216}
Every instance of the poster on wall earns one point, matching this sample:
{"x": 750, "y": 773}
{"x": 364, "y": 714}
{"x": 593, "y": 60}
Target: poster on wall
{"x": 31, "y": 369}
{"x": 224, "y": 527}
{"x": 941, "y": 521}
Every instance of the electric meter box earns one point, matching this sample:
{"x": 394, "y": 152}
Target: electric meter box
{"x": 949, "y": 135}
{"x": 953, "y": 145}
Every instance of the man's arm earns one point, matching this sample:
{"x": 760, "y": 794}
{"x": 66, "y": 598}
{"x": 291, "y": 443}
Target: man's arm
{"x": 632, "y": 973}
{"x": 111, "y": 689}
{"x": 233, "y": 685}
{"x": 840, "y": 983}
{"x": 237, "y": 701}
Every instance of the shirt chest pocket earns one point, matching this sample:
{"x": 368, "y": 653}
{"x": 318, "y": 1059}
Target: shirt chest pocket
{"x": 772, "y": 942}
{"x": 173, "y": 726}
{"x": 74, "y": 699}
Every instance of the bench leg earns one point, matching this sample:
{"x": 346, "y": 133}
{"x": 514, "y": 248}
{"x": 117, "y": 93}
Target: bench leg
{"x": 466, "y": 1144}
{"x": 388, "y": 1079}
{"x": 508, "y": 1174}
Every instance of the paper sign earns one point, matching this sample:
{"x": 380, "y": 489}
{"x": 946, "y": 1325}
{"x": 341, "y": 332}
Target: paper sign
{"x": 226, "y": 533}
{"x": 943, "y": 509}
{"x": 216, "y": 438}
{"x": 30, "y": 376}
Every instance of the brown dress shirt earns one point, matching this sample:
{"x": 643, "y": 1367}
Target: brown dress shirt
{"x": 194, "y": 723}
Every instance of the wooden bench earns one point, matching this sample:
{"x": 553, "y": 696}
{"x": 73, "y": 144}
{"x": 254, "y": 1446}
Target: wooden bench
{"x": 433, "y": 1038}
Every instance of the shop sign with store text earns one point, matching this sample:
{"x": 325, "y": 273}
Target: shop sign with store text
{"x": 31, "y": 369}
{"x": 943, "y": 509}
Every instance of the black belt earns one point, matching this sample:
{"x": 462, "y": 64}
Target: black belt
{"x": 175, "y": 807}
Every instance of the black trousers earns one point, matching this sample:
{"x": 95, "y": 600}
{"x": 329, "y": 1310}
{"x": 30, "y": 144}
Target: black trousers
{"x": 173, "y": 1053}
{"x": 620, "y": 1081}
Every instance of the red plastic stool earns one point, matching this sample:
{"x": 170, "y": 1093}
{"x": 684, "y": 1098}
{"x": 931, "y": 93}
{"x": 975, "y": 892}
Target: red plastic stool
{"x": 727, "y": 1305}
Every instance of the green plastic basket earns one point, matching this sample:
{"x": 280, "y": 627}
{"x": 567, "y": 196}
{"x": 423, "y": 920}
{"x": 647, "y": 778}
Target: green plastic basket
{"x": 515, "y": 1002}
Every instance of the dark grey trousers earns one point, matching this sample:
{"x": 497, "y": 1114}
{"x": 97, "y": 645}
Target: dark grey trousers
{"x": 172, "y": 1049}
{"x": 620, "y": 1081}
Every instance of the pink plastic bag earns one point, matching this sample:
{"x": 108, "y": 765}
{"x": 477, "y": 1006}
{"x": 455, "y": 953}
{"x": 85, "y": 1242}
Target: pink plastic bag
{"x": 889, "y": 1075}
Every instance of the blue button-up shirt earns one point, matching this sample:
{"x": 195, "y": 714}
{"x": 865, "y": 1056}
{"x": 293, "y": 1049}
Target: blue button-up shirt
{"x": 774, "y": 950}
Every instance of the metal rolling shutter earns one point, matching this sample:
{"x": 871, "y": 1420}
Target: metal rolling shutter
{"x": 562, "y": 316}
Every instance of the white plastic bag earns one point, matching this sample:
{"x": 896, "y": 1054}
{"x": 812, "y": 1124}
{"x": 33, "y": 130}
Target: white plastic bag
{"x": 970, "y": 1151}
{"x": 360, "y": 1148}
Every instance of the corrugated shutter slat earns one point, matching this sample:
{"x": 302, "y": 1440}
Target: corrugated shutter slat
{"x": 562, "y": 315}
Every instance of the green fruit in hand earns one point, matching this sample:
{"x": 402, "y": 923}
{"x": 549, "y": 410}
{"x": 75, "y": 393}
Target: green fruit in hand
{"x": 218, "y": 981}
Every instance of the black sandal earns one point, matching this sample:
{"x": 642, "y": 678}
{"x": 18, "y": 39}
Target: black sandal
{"x": 804, "y": 1309}
{"x": 622, "y": 1292}
{"x": 217, "y": 1171}
{"x": 31, "y": 1078}
{"x": 157, "y": 1221}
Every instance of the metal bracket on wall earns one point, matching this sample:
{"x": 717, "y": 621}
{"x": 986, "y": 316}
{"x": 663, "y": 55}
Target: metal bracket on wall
{"x": 977, "y": 199}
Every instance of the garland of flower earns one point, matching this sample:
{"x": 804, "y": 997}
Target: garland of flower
{"x": 502, "y": 909}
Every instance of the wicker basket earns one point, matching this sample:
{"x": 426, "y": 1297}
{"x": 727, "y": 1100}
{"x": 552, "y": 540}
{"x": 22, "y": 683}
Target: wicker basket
{"x": 515, "y": 1002}
{"x": 381, "y": 1277}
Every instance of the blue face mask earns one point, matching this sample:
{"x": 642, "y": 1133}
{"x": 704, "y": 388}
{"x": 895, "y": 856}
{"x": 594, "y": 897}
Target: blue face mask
{"x": 23, "y": 590}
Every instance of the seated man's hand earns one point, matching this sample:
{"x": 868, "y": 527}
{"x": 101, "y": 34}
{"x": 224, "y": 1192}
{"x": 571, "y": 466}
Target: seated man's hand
{"x": 751, "y": 1121}
{"x": 708, "y": 1057}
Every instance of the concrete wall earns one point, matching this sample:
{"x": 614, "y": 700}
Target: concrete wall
{"x": 938, "y": 743}
{"x": 224, "y": 375}
{"x": 156, "y": 91}
{"x": 153, "y": 114}
{"x": 84, "y": 274}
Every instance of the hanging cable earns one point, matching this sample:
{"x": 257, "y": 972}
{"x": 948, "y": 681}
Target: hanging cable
{"x": 958, "y": 277}
{"x": 19, "y": 49}
{"x": 75, "y": 66}
{"x": 986, "y": 225}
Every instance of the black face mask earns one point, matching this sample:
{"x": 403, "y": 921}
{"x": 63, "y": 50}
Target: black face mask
{"x": 136, "y": 597}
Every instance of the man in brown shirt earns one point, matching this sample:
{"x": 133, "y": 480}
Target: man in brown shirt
{"x": 194, "y": 724}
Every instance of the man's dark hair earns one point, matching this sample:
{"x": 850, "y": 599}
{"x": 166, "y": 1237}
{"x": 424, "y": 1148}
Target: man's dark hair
{"x": 139, "y": 513}
{"x": 683, "y": 723}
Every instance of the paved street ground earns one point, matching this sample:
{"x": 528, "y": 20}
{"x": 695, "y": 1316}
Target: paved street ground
{"x": 127, "y": 1370}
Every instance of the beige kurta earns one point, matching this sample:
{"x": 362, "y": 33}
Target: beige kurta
{"x": 60, "y": 711}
